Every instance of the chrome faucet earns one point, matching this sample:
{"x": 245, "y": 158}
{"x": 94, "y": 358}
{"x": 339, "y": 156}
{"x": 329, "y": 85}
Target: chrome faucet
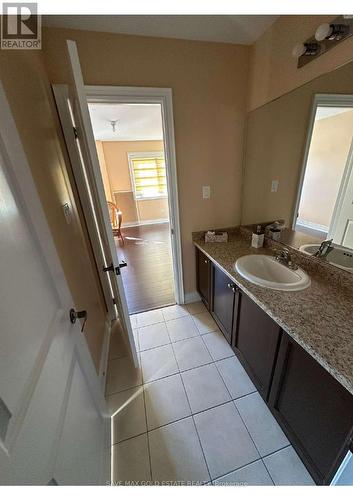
{"x": 325, "y": 248}
{"x": 284, "y": 257}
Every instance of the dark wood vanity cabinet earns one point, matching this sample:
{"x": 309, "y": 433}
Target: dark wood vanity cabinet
{"x": 256, "y": 340}
{"x": 203, "y": 277}
{"x": 314, "y": 409}
{"x": 225, "y": 301}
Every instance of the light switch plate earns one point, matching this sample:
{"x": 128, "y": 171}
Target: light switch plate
{"x": 206, "y": 192}
{"x": 274, "y": 186}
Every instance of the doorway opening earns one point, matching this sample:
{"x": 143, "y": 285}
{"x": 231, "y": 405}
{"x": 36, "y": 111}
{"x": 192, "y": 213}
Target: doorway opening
{"x": 133, "y": 162}
{"x": 324, "y": 208}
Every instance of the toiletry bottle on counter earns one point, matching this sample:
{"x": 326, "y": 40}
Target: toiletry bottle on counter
{"x": 257, "y": 240}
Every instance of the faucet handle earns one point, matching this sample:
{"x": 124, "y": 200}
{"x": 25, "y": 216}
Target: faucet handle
{"x": 283, "y": 252}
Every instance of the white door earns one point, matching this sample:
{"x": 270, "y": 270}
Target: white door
{"x": 78, "y": 132}
{"x": 54, "y": 427}
{"x": 341, "y": 227}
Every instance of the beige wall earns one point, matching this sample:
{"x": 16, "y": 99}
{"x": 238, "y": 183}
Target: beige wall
{"x": 209, "y": 83}
{"x": 30, "y": 98}
{"x": 104, "y": 171}
{"x": 153, "y": 209}
{"x": 274, "y": 71}
{"x": 115, "y": 153}
{"x": 276, "y": 135}
{"x": 329, "y": 148}
{"x": 115, "y": 161}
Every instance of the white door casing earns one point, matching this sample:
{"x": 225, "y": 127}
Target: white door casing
{"x": 44, "y": 358}
{"x": 79, "y": 138}
{"x": 319, "y": 100}
{"x": 163, "y": 97}
{"x": 341, "y": 226}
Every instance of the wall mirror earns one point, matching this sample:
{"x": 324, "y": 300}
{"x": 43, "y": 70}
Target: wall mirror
{"x": 301, "y": 144}
{"x": 325, "y": 196}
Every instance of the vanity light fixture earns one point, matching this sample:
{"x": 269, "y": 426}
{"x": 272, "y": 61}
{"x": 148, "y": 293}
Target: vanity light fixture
{"x": 326, "y": 37}
{"x": 328, "y": 31}
{"x": 305, "y": 49}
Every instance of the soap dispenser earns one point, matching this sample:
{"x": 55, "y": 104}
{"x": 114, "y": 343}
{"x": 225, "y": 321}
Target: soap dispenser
{"x": 257, "y": 240}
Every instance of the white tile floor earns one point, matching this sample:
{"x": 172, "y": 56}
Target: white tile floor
{"x": 190, "y": 414}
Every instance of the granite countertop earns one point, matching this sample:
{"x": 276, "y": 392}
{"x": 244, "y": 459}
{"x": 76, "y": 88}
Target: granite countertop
{"x": 319, "y": 318}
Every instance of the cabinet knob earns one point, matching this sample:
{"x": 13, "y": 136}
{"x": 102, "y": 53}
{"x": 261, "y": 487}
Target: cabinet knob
{"x": 232, "y": 287}
{"x": 206, "y": 261}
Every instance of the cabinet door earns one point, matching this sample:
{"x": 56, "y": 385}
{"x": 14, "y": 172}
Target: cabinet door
{"x": 314, "y": 409}
{"x": 256, "y": 339}
{"x": 203, "y": 266}
{"x": 224, "y": 292}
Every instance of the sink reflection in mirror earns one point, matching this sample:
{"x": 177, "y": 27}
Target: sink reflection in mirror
{"x": 339, "y": 256}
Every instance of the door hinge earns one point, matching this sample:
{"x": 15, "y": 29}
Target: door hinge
{"x": 114, "y": 301}
{"x": 75, "y": 132}
{"x": 171, "y": 231}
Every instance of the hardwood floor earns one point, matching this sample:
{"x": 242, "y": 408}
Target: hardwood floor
{"x": 148, "y": 277}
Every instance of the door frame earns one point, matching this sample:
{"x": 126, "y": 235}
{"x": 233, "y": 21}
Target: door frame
{"x": 14, "y": 156}
{"x": 341, "y": 193}
{"x": 162, "y": 96}
{"x": 324, "y": 100}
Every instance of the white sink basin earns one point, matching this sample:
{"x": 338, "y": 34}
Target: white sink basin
{"x": 265, "y": 271}
{"x": 340, "y": 256}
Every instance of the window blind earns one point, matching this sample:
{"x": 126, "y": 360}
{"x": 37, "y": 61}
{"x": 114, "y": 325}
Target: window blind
{"x": 149, "y": 177}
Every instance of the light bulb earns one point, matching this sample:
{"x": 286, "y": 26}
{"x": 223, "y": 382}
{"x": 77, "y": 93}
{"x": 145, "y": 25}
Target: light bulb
{"x": 323, "y": 31}
{"x": 298, "y": 50}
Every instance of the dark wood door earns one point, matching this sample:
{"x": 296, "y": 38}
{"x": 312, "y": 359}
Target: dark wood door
{"x": 224, "y": 294}
{"x": 314, "y": 409}
{"x": 203, "y": 268}
{"x": 256, "y": 339}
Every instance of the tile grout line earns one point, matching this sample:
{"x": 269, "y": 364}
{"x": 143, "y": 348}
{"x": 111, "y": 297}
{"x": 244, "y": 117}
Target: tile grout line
{"x": 148, "y": 439}
{"x": 238, "y": 468}
{"x": 192, "y": 414}
{"x": 189, "y": 416}
{"x": 183, "y": 340}
{"x": 185, "y": 371}
{"x": 193, "y": 420}
{"x": 233, "y": 401}
{"x": 257, "y": 449}
{"x": 264, "y": 463}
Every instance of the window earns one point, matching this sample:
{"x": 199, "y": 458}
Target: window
{"x": 148, "y": 175}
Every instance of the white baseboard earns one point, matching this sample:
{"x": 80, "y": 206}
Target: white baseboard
{"x": 312, "y": 225}
{"x": 144, "y": 223}
{"x": 103, "y": 365}
{"x": 191, "y": 297}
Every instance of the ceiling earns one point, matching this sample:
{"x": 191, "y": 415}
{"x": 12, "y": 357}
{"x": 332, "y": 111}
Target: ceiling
{"x": 327, "y": 111}
{"x": 135, "y": 122}
{"x": 229, "y": 29}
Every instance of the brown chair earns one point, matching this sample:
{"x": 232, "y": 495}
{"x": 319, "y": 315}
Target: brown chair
{"x": 116, "y": 218}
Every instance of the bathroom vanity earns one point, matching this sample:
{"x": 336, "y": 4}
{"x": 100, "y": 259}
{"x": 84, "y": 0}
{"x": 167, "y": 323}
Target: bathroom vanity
{"x": 296, "y": 346}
